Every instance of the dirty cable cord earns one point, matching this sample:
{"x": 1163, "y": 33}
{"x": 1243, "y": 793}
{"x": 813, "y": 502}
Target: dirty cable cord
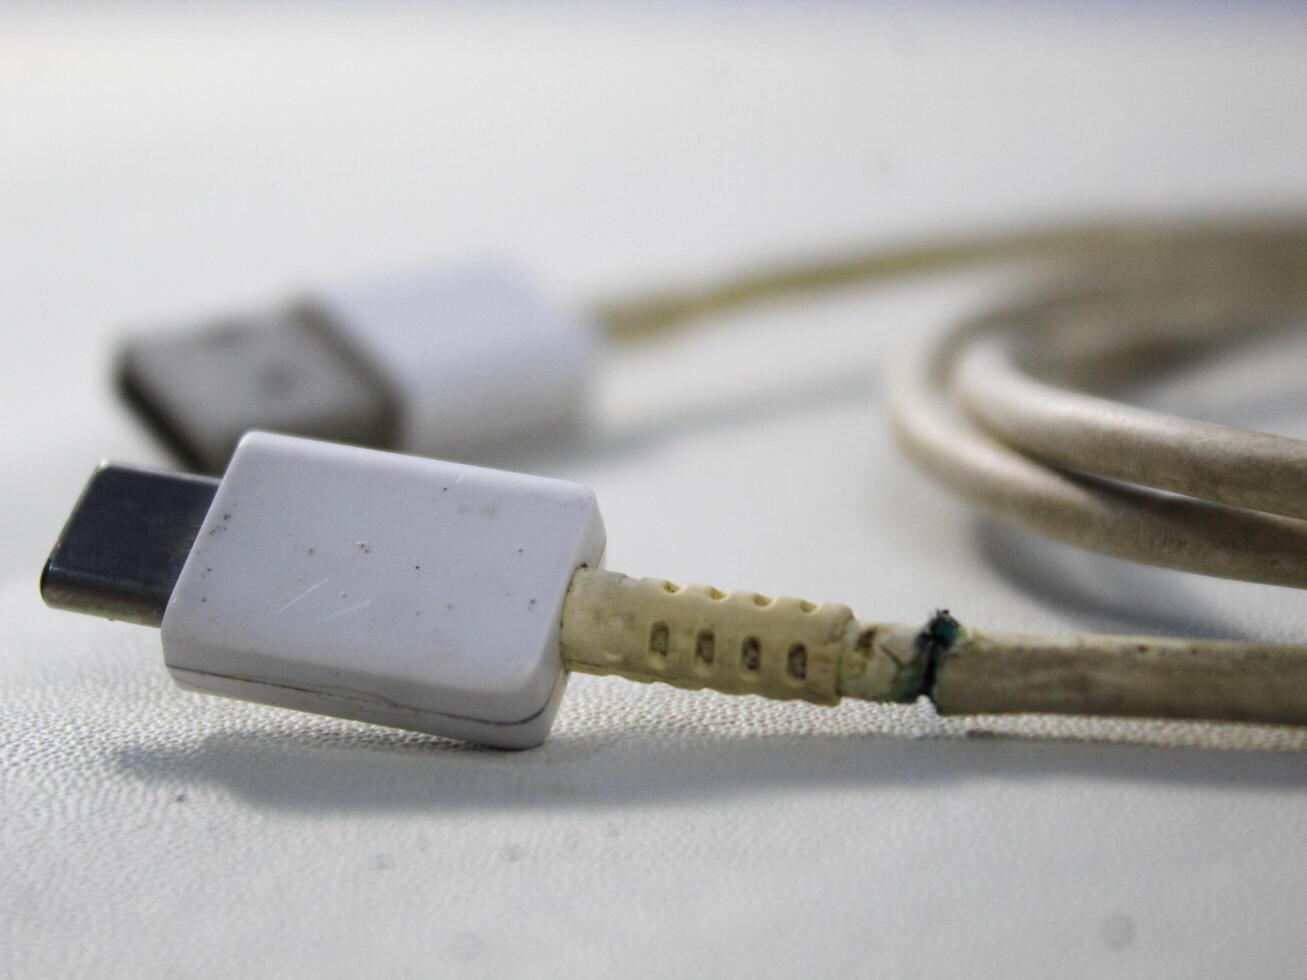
{"x": 976, "y": 409}
{"x": 285, "y": 583}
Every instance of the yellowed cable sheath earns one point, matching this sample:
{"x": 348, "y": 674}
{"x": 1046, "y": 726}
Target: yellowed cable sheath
{"x": 990, "y": 410}
{"x": 1085, "y": 245}
{"x": 697, "y": 636}
{"x": 1129, "y": 522}
{"x": 1122, "y": 676}
{"x": 1091, "y": 434}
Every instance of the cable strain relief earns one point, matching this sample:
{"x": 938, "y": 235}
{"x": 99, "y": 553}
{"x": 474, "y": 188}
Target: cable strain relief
{"x": 697, "y": 636}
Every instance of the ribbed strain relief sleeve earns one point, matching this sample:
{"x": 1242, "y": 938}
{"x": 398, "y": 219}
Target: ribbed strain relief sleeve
{"x": 697, "y": 636}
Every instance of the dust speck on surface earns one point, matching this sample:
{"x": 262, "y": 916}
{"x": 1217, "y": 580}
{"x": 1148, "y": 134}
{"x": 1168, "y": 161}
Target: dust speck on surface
{"x": 179, "y": 798}
{"x": 226, "y": 517}
{"x": 417, "y": 568}
{"x": 364, "y": 547}
{"x": 1117, "y": 931}
{"x": 313, "y": 551}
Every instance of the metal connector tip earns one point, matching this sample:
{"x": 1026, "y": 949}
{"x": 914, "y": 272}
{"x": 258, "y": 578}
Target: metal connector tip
{"x": 123, "y": 547}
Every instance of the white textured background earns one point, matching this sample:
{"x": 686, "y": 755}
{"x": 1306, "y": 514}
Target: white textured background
{"x": 155, "y": 162}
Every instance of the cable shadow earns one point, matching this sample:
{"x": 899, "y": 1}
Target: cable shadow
{"x": 309, "y": 773}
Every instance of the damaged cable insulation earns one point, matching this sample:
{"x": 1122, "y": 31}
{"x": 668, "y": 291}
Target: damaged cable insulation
{"x": 1012, "y": 410}
{"x": 697, "y": 636}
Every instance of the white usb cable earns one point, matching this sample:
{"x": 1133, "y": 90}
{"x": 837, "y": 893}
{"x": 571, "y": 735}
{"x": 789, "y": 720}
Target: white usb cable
{"x": 452, "y": 599}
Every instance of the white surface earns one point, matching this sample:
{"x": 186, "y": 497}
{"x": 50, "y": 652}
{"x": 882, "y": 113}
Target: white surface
{"x": 384, "y": 588}
{"x": 475, "y": 356}
{"x": 163, "y": 163}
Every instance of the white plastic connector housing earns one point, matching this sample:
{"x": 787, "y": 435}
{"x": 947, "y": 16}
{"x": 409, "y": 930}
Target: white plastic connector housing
{"x": 471, "y": 357}
{"x": 385, "y": 588}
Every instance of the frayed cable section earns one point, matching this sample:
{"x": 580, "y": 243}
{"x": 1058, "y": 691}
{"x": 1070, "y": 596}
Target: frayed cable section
{"x": 935, "y": 640}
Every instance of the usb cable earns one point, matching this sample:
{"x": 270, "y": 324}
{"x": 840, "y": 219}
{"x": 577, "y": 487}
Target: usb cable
{"x": 452, "y": 599}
